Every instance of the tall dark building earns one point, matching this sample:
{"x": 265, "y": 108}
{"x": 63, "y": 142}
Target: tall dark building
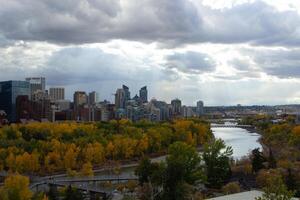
{"x": 9, "y": 91}
{"x": 127, "y": 93}
{"x": 120, "y": 98}
{"x": 200, "y": 108}
{"x": 144, "y": 94}
{"x": 176, "y": 107}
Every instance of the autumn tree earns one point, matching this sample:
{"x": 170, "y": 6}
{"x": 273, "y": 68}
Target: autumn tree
{"x": 71, "y": 157}
{"x": 87, "y": 169}
{"x": 231, "y": 188}
{"x": 275, "y": 190}
{"x": 16, "y": 187}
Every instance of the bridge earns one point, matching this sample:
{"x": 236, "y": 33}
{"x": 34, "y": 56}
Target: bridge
{"x": 230, "y": 126}
{"x": 87, "y": 185}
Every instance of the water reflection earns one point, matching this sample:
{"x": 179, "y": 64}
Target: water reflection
{"x": 241, "y": 140}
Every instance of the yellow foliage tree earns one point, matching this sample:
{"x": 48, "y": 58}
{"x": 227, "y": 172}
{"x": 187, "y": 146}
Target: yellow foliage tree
{"x": 87, "y": 169}
{"x": 16, "y": 187}
{"x": 11, "y": 162}
{"x": 53, "y": 161}
{"x": 71, "y": 157}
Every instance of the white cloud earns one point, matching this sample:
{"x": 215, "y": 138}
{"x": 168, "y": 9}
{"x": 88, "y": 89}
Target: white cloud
{"x": 224, "y": 52}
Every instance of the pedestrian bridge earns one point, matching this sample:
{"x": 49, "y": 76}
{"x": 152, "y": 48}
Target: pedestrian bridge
{"x": 230, "y": 126}
{"x": 88, "y": 184}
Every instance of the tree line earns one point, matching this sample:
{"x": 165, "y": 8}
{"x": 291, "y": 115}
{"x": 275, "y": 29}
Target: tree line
{"x": 45, "y": 148}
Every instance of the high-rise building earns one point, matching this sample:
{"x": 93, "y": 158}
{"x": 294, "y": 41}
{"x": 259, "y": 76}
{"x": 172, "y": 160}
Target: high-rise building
{"x": 57, "y": 93}
{"x": 176, "y": 107}
{"x": 93, "y": 98}
{"x": 200, "y": 108}
{"x": 80, "y": 98}
{"x": 9, "y": 91}
{"x": 120, "y": 98}
{"x": 144, "y": 94}
{"x": 187, "y": 111}
{"x": 126, "y": 92}
{"x": 36, "y": 84}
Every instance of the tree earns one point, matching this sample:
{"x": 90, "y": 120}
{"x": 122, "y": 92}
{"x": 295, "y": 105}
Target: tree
{"x": 16, "y": 187}
{"x": 257, "y": 160}
{"x": 231, "y": 188}
{"x": 144, "y": 170}
{"x": 272, "y": 160}
{"x": 216, "y": 156}
{"x": 73, "y": 194}
{"x": 71, "y": 157}
{"x": 150, "y": 177}
{"x": 183, "y": 169}
{"x": 275, "y": 190}
{"x": 87, "y": 169}
{"x": 145, "y": 192}
{"x": 291, "y": 181}
{"x": 52, "y": 193}
{"x": 264, "y": 175}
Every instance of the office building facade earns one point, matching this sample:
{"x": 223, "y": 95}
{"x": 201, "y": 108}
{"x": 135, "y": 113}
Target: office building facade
{"x": 36, "y": 84}
{"x": 80, "y": 98}
{"x": 200, "y": 108}
{"x": 93, "y": 98}
{"x": 57, "y": 94}
{"x": 9, "y": 91}
{"x": 176, "y": 107}
{"x": 120, "y": 99}
{"x": 144, "y": 94}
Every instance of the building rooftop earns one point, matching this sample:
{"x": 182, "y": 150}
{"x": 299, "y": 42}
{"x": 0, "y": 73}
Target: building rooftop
{"x": 249, "y": 195}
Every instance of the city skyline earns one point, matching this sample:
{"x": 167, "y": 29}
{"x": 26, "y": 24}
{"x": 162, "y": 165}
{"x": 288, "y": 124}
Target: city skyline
{"x": 226, "y": 52}
{"x": 111, "y": 98}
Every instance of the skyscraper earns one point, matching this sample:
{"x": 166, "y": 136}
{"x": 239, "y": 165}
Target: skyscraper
{"x": 127, "y": 93}
{"x": 36, "y": 84}
{"x": 176, "y": 107}
{"x": 93, "y": 98}
{"x": 120, "y": 98}
{"x": 200, "y": 108}
{"x": 9, "y": 91}
{"x": 144, "y": 94}
{"x": 57, "y": 93}
{"x": 80, "y": 98}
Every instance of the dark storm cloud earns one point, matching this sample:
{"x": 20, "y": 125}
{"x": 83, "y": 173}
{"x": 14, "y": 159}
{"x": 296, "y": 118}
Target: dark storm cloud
{"x": 172, "y": 23}
{"x": 191, "y": 62}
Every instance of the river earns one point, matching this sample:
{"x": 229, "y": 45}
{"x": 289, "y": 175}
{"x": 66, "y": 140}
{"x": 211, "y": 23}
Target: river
{"x": 241, "y": 140}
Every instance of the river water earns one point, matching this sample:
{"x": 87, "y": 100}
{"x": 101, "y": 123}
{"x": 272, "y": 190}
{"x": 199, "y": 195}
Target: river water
{"x": 241, "y": 140}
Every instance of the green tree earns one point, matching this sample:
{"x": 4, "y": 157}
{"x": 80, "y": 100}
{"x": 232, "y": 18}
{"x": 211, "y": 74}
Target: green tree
{"x": 291, "y": 181}
{"x": 276, "y": 190}
{"x": 144, "y": 170}
{"x": 216, "y": 156}
{"x": 183, "y": 169}
{"x": 73, "y": 194}
{"x": 271, "y": 160}
{"x": 257, "y": 160}
{"x": 52, "y": 193}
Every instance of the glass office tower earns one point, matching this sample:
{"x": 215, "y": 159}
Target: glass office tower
{"x": 9, "y": 91}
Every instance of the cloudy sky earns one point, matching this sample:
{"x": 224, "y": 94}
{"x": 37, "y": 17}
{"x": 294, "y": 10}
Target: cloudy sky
{"x": 224, "y": 52}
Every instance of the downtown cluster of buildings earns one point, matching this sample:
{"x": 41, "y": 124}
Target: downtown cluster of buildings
{"x": 22, "y": 101}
